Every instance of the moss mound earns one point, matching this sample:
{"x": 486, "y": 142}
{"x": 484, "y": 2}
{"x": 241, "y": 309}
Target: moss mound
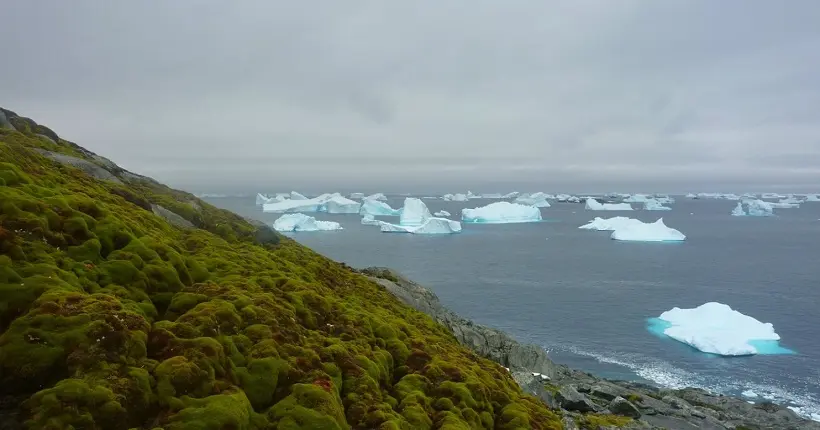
{"x": 111, "y": 318}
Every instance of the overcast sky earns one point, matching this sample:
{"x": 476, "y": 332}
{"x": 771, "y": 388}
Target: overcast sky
{"x": 441, "y": 96}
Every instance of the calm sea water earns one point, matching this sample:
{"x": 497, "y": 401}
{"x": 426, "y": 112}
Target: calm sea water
{"x": 586, "y": 299}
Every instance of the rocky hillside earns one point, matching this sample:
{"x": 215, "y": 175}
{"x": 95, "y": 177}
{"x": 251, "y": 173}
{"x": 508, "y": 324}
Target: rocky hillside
{"x": 127, "y": 304}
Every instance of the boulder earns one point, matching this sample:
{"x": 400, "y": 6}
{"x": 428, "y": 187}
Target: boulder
{"x": 4, "y": 121}
{"x": 621, "y": 406}
{"x": 534, "y": 385}
{"x": 172, "y": 218}
{"x": 572, "y": 400}
{"x": 86, "y": 166}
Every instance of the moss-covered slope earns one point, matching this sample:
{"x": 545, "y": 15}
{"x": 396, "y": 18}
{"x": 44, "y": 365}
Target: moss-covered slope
{"x": 113, "y": 318}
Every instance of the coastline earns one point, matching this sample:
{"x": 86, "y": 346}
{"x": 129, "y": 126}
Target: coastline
{"x": 574, "y": 392}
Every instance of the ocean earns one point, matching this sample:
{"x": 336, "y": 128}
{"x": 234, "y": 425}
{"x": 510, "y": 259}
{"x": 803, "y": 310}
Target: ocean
{"x": 586, "y": 298}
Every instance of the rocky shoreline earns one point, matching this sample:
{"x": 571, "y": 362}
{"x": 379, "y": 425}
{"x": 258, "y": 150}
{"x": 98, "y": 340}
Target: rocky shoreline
{"x": 574, "y": 392}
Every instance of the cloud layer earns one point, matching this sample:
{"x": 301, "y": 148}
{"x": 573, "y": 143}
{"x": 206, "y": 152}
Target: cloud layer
{"x": 406, "y": 96}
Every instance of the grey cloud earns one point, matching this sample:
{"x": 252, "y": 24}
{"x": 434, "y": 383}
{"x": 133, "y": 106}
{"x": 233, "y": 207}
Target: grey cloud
{"x": 397, "y": 96}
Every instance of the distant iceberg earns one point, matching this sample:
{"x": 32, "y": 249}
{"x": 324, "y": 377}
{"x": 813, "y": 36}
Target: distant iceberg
{"x": 594, "y": 205}
{"x": 538, "y": 200}
{"x": 296, "y": 196}
{"x": 331, "y": 203}
{"x": 261, "y": 199}
{"x": 813, "y": 197}
{"x": 377, "y": 196}
{"x": 357, "y": 196}
{"x": 492, "y": 196}
{"x": 648, "y": 232}
{"x": 716, "y": 328}
{"x": 455, "y": 197}
{"x": 368, "y": 219}
{"x": 753, "y": 208}
{"x": 470, "y": 195}
{"x": 654, "y": 205}
{"x": 501, "y": 213}
{"x": 442, "y": 213}
{"x": 414, "y": 213}
{"x": 430, "y": 226}
{"x": 376, "y": 207}
{"x": 782, "y": 205}
{"x": 638, "y": 198}
{"x": 511, "y": 195}
{"x": 691, "y": 196}
{"x": 772, "y": 196}
{"x": 609, "y": 224}
{"x": 566, "y": 198}
{"x": 302, "y": 222}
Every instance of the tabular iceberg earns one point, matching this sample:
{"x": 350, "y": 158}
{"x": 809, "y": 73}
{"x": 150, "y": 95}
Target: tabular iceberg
{"x": 511, "y": 195}
{"x": 647, "y": 232}
{"x": 302, "y": 222}
{"x": 783, "y": 205}
{"x": 637, "y": 198}
{"x": 654, "y": 205}
{"x": 377, "y": 196}
{"x": 501, "y": 213}
{"x": 376, "y": 207}
{"x": 414, "y": 212}
{"x": 290, "y": 206}
{"x": 442, "y": 213}
{"x": 330, "y": 203}
{"x": 609, "y": 224}
{"x": 716, "y": 328}
{"x": 594, "y": 205}
{"x": 455, "y": 197}
{"x": 566, "y": 198}
{"x": 430, "y": 226}
{"x": 753, "y": 208}
{"x": 813, "y": 197}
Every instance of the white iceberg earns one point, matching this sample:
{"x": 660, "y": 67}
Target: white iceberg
{"x": 538, "y": 200}
{"x": 654, "y": 205}
{"x": 302, "y": 222}
{"x": 377, "y": 196}
{"x": 772, "y": 196}
{"x": 357, "y": 196}
{"x": 501, "y": 213}
{"x": 458, "y": 197}
{"x": 291, "y": 206}
{"x": 566, "y": 198}
{"x": 511, "y": 195}
{"x": 813, "y": 197}
{"x": 691, "y": 196}
{"x": 414, "y": 213}
{"x": 716, "y": 328}
{"x": 337, "y": 204}
{"x": 594, "y": 205}
{"x": 376, "y": 207}
{"x": 753, "y": 208}
{"x": 782, "y": 205}
{"x": 368, "y": 219}
{"x": 296, "y": 196}
{"x": 442, "y": 213}
{"x": 637, "y": 198}
{"x": 609, "y": 224}
{"x": 470, "y": 195}
{"x": 648, "y": 232}
{"x": 261, "y": 199}
{"x": 492, "y": 196}
{"x": 431, "y": 225}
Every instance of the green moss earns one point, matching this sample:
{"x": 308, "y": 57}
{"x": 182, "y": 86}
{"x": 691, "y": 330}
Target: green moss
{"x": 111, "y": 318}
{"x": 634, "y": 398}
{"x": 594, "y": 422}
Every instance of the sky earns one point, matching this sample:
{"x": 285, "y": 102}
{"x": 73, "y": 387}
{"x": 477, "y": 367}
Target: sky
{"x": 374, "y": 95}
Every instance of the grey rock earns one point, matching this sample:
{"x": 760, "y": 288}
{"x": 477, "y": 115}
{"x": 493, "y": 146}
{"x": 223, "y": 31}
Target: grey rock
{"x": 4, "y": 121}
{"x": 86, "y": 166}
{"x": 534, "y": 385}
{"x": 570, "y": 399}
{"x": 621, "y": 406}
{"x": 172, "y": 218}
{"x": 605, "y": 391}
{"x": 43, "y": 136}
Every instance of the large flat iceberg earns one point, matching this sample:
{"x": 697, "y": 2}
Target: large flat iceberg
{"x": 501, "y": 213}
{"x": 337, "y": 204}
{"x": 647, "y": 232}
{"x": 331, "y": 203}
{"x": 414, "y": 212}
{"x": 376, "y": 207}
{"x": 291, "y": 206}
{"x": 655, "y": 205}
{"x": 609, "y": 224}
{"x": 430, "y": 226}
{"x": 716, "y": 328}
{"x": 594, "y": 205}
{"x": 302, "y": 222}
{"x": 753, "y": 208}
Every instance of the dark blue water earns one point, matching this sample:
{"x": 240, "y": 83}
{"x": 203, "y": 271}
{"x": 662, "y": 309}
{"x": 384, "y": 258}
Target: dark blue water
{"x": 586, "y": 298}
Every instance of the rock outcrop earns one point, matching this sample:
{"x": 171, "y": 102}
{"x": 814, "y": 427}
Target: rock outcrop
{"x": 574, "y": 392}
